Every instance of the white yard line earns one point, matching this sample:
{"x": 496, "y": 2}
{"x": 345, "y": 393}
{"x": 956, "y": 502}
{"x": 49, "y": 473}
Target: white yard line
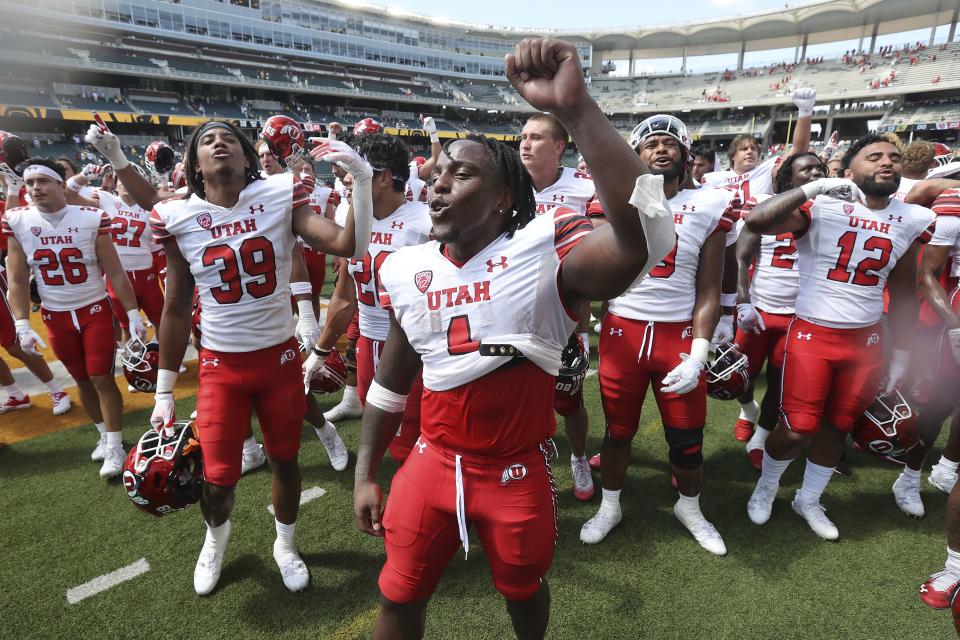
{"x": 107, "y": 581}
{"x": 305, "y": 496}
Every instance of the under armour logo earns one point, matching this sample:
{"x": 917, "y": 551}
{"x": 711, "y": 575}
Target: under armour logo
{"x": 873, "y": 339}
{"x": 73, "y": 229}
{"x": 691, "y": 207}
{"x": 804, "y": 336}
{"x": 558, "y": 198}
{"x": 47, "y": 316}
{"x": 421, "y": 445}
{"x": 491, "y": 265}
{"x": 615, "y": 331}
{"x": 899, "y": 218}
{"x": 256, "y": 208}
{"x": 211, "y": 362}
{"x": 396, "y": 225}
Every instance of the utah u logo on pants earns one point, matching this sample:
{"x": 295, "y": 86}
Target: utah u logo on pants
{"x": 513, "y": 472}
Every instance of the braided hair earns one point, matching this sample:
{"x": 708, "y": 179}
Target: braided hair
{"x": 783, "y": 180}
{"x": 515, "y": 177}
{"x": 191, "y": 166}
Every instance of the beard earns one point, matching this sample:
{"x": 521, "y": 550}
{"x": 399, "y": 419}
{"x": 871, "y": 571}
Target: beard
{"x": 675, "y": 170}
{"x": 872, "y": 187}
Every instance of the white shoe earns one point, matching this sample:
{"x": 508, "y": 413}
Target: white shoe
{"x": 906, "y": 491}
{"x": 942, "y": 478}
{"x": 61, "y": 402}
{"x": 344, "y": 411}
{"x": 704, "y": 532}
{"x": 193, "y": 416}
{"x": 583, "y": 488}
{"x": 252, "y": 461}
{"x": 294, "y": 572}
{"x": 132, "y": 389}
{"x": 99, "y": 450}
{"x": 113, "y": 458}
{"x": 207, "y": 572}
{"x": 333, "y": 443}
{"x": 596, "y": 528}
{"x": 182, "y": 369}
{"x": 760, "y": 505}
{"x": 816, "y": 517}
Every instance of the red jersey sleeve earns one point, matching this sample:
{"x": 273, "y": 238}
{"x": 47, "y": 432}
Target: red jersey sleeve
{"x": 106, "y": 224}
{"x": 947, "y": 203}
{"x": 159, "y": 228}
{"x": 729, "y": 216}
{"x": 569, "y": 229}
{"x": 300, "y": 194}
{"x": 806, "y": 210}
{"x": 927, "y": 233}
{"x": 595, "y": 209}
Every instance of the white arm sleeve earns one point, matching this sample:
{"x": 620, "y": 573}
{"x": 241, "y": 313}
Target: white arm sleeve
{"x": 656, "y": 219}
{"x": 362, "y": 215}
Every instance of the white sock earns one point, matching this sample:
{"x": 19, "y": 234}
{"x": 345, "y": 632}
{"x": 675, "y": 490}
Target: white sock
{"x": 114, "y": 439}
{"x": 749, "y": 411}
{"x": 912, "y": 473}
{"x": 758, "y": 439}
{"x": 690, "y": 505}
{"x": 53, "y": 386}
{"x": 946, "y": 463}
{"x": 815, "y": 479}
{"x": 13, "y": 390}
{"x": 102, "y": 428}
{"x": 350, "y": 396}
{"x": 953, "y": 561}
{"x": 610, "y": 501}
{"x": 772, "y": 470}
{"x": 327, "y": 425}
{"x": 285, "y": 536}
{"x": 217, "y": 535}
{"x": 250, "y": 446}
{"x": 580, "y": 459}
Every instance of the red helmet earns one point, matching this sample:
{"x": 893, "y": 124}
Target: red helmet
{"x": 727, "y": 373}
{"x": 941, "y": 154}
{"x": 13, "y": 150}
{"x": 164, "y": 473}
{"x": 573, "y": 367}
{"x": 284, "y": 138}
{"x": 367, "y": 125}
{"x": 888, "y": 427}
{"x": 178, "y": 177}
{"x": 332, "y": 377}
{"x": 420, "y": 160}
{"x": 159, "y": 157}
{"x": 140, "y": 364}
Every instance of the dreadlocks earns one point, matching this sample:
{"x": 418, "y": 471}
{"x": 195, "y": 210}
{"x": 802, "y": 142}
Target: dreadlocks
{"x": 515, "y": 177}
{"x": 192, "y": 170}
{"x": 783, "y": 180}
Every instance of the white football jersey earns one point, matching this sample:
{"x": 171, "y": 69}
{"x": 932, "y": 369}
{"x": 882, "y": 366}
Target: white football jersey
{"x": 573, "y": 189}
{"x": 240, "y": 259}
{"x": 416, "y": 189}
{"x": 132, "y": 235}
{"x": 61, "y": 251}
{"x": 758, "y": 180}
{"x": 408, "y": 225}
{"x": 776, "y": 278}
{"x": 846, "y": 253}
{"x": 668, "y": 292}
{"x": 506, "y": 294}
{"x": 319, "y": 197}
{"x": 904, "y": 188}
{"x": 947, "y": 233}
{"x": 343, "y": 209}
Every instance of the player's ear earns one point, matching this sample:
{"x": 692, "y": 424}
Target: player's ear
{"x": 847, "y": 173}
{"x": 504, "y": 204}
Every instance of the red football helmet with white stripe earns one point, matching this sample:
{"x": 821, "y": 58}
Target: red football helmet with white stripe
{"x": 888, "y": 427}
{"x": 13, "y": 150}
{"x": 367, "y": 125}
{"x": 159, "y": 157}
{"x": 332, "y": 376}
{"x": 284, "y": 138}
{"x": 164, "y": 472}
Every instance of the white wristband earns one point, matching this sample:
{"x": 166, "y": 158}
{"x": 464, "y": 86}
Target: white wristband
{"x": 900, "y": 357}
{"x": 728, "y": 299}
{"x": 301, "y": 288}
{"x": 305, "y": 310}
{"x": 166, "y": 380}
{"x": 22, "y": 325}
{"x": 384, "y": 399}
{"x": 73, "y": 185}
{"x": 434, "y": 137}
{"x": 133, "y": 314}
{"x": 700, "y": 350}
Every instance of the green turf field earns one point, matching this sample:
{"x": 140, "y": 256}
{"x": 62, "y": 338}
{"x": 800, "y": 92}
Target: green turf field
{"x": 62, "y": 526}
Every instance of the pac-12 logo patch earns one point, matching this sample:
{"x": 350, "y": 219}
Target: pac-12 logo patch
{"x": 423, "y": 279}
{"x": 35, "y": 230}
{"x": 205, "y": 220}
{"x": 848, "y": 209}
{"x": 513, "y": 472}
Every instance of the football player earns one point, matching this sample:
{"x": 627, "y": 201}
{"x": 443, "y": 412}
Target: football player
{"x": 233, "y": 237}
{"x": 498, "y": 280}
{"x": 542, "y": 143}
{"x": 69, "y": 250}
{"x": 704, "y": 162}
{"x": 396, "y": 223}
{"x": 323, "y": 201}
{"x": 852, "y": 239}
{"x": 658, "y": 334}
{"x": 917, "y": 161}
{"x": 765, "y": 302}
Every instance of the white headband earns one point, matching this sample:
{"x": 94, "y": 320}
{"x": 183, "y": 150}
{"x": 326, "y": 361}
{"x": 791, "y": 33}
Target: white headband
{"x": 39, "y": 169}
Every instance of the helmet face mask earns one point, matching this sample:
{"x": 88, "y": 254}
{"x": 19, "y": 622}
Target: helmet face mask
{"x": 140, "y": 363}
{"x": 888, "y": 427}
{"x": 573, "y": 367}
{"x": 727, "y": 376}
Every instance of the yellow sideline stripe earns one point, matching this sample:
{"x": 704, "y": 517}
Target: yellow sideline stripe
{"x": 356, "y": 626}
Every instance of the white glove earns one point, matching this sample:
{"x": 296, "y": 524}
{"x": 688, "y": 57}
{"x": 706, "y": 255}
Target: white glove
{"x": 749, "y": 319}
{"x": 431, "y": 129}
{"x": 308, "y": 330}
{"x": 724, "y": 330}
{"x": 954, "y": 336}
{"x": 805, "y": 98}
{"x": 29, "y": 339}
{"x": 108, "y": 144}
{"x": 362, "y": 201}
{"x": 313, "y": 366}
{"x": 136, "y": 324}
{"x": 327, "y": 150}
{"x": 684, "y": 377}
{"x": 91, "y": 171}
{"x": 656, "y": 218}
{"x": 14, "y": 182}
{"x": 163, "y": 411}
{"x": 899, "y": 363}
{"x": 839, "y": 188}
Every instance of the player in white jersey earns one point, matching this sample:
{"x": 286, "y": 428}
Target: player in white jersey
{"x": 765, "y": 304}
{"x": 542, "y": 143}
{"x": 498, "y": 280}
{"x": 68, "y": 249}
{"x": 852, "y": 239}
{"x": 396, "y": 223}
{"x": 658, "y": 334}
{"x": 233, "y": 238}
